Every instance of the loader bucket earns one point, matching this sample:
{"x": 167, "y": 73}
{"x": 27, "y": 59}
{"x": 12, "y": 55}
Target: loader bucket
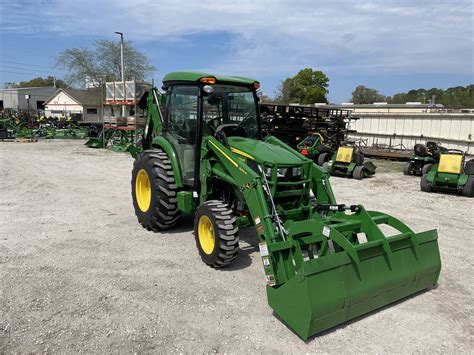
{"x": 332, "y": 289}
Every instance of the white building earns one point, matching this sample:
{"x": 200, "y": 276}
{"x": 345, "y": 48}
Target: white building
{"x": 25, "y": 98}
{"x": 73, "y": 102}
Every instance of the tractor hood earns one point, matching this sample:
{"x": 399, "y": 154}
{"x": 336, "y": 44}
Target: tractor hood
{"x": 263, "y": 152}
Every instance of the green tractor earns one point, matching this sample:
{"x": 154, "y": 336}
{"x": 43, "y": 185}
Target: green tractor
{"x": 348, "y": 161}
{"x": 452, "y": 174}
{"x": 324, "y": 263}
{"x": 423, "y": 159}
{"x": 313, "y": 147}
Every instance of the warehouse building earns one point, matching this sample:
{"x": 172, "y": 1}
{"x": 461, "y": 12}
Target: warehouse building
{"x": 84, "y": 104}
{"x": 23, "y": 99}
{"x": 384, "y": 107}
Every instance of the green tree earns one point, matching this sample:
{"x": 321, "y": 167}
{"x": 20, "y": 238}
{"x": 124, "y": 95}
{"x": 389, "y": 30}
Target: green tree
{"x": 454, "y": 97}
{"x": 102, "y": 62}
{"x": 39, "y": 81}
{"x": 365, "y": 95}
{"x": 306, "y": 87}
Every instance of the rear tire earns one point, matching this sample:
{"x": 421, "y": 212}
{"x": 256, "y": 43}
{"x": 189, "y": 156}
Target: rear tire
{"x": 323, "y": 158}
{"x": 358, "y": 173}
{"x": 154, "y": 191}
{"x": 468, "y": 188}
{"x": 408, "y": 168}
{"x": 424, "y": 184}
{"x": 216, "y": 233}
{"x": 426, "y": 169}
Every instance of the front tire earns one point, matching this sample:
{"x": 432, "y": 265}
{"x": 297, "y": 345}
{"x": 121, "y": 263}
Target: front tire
{"x": 424, "y": 184}
{"x": 154, "y": 191}
{"x": 426, "y": 169}
{"x": 216, "y": 233}
{"x": 408, "y": 168}
{"x": 359, "y": 173}
{"x": 468, "y": 188}
{"x": 323, "y": 158}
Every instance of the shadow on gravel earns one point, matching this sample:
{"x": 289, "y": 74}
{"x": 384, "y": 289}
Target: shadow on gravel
{"x": 244, "y": 260}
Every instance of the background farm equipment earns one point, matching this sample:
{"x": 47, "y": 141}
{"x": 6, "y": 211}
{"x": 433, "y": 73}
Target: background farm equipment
{"x": 425, "y": 156}
{"x": 293, "y": 123}
{"x": 349, "y": 161}
{"x": 313, "y": 148}
{"x": 324, "y": 262}
{"x": 451, "y": 174}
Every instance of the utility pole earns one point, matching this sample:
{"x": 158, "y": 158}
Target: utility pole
{"x": 122, "y": 68}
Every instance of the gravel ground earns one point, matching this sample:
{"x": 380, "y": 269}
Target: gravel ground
{"x": 79, "y": 274}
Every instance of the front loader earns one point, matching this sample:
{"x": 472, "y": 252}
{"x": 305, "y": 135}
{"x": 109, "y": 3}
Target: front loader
{"x": 324, "y": 263}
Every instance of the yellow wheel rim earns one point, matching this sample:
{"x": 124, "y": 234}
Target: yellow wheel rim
{"x": 143, "y": 190}
{"x": 206, "y": 234}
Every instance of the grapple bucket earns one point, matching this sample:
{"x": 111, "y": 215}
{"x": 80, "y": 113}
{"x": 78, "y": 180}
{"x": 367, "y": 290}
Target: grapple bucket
{"x": 348, "y": 278}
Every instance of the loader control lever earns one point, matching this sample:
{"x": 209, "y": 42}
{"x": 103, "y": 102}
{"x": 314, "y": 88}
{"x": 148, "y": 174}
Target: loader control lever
{"x": 336, "y": 208}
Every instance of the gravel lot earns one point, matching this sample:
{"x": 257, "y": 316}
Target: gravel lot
{"x": 79, "y": 274}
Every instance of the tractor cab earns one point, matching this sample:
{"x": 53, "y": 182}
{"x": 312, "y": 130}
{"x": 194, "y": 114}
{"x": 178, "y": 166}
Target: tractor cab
{"x": 199, "y": 104}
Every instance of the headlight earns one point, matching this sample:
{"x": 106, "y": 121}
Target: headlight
{"x": 281, "y": 172}
{"x": 267, "y": 171}
{"x": 297, "y": 171}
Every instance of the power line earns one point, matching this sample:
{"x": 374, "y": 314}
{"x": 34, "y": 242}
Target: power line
{"x": 29, "y": 70}
{"x": 29, "y": 73}
{"x": 29, "y": 65}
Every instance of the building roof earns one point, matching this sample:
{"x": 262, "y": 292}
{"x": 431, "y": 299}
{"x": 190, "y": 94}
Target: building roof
{"x": 89, "y": 97}
{"x": 196, "y": 76}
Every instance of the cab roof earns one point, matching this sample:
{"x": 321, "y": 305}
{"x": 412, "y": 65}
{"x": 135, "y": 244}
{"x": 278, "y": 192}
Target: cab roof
{"x": 196, "y": 76}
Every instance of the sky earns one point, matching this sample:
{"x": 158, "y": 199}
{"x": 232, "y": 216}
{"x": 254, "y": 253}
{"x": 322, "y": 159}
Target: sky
{"x": 390, "y": 45}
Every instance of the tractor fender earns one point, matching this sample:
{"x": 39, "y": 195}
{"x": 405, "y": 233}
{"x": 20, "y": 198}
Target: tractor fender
{"x": 162, "y": 143}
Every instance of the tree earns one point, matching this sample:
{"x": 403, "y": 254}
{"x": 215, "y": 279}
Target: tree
{"x": 103, "y": 63}
{"x": 306, "y": 87}
{"x": 454, "y": 97}
{"x": 39, "y": 81}
{"x": 365, "y": 95}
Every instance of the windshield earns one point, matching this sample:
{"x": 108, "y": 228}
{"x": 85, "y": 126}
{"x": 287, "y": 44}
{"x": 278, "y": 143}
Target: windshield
{"x": 233, "y": 108}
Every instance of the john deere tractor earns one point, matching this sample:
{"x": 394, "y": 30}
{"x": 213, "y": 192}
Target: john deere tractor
{"x": 348, "y": 161}
{"x": 451, "y": 174}
{"x": 324, "y": 263}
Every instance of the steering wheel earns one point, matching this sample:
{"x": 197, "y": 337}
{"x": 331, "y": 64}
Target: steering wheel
{"x": 222, "y": 137}
{"x": 214, "y": 123}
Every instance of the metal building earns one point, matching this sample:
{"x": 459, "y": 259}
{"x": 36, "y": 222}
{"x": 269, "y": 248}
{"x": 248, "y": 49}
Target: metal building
{"x": 22, "y": 99}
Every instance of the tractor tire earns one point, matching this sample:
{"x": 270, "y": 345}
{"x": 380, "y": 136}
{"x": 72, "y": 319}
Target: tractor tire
{"x": 154, "y": 191}
{"x": 408, "y": 168}
{"x": 426, "y": 169}
{"x": 468, "y": 188}
{"x": 216, "y": 233}
{"x": 326, "y": 167}
{"x": 358, "y": 173}
{"x": 469, "y": 167}
{"x": 323, "y": 158}
{"x": 424, "y": 184}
